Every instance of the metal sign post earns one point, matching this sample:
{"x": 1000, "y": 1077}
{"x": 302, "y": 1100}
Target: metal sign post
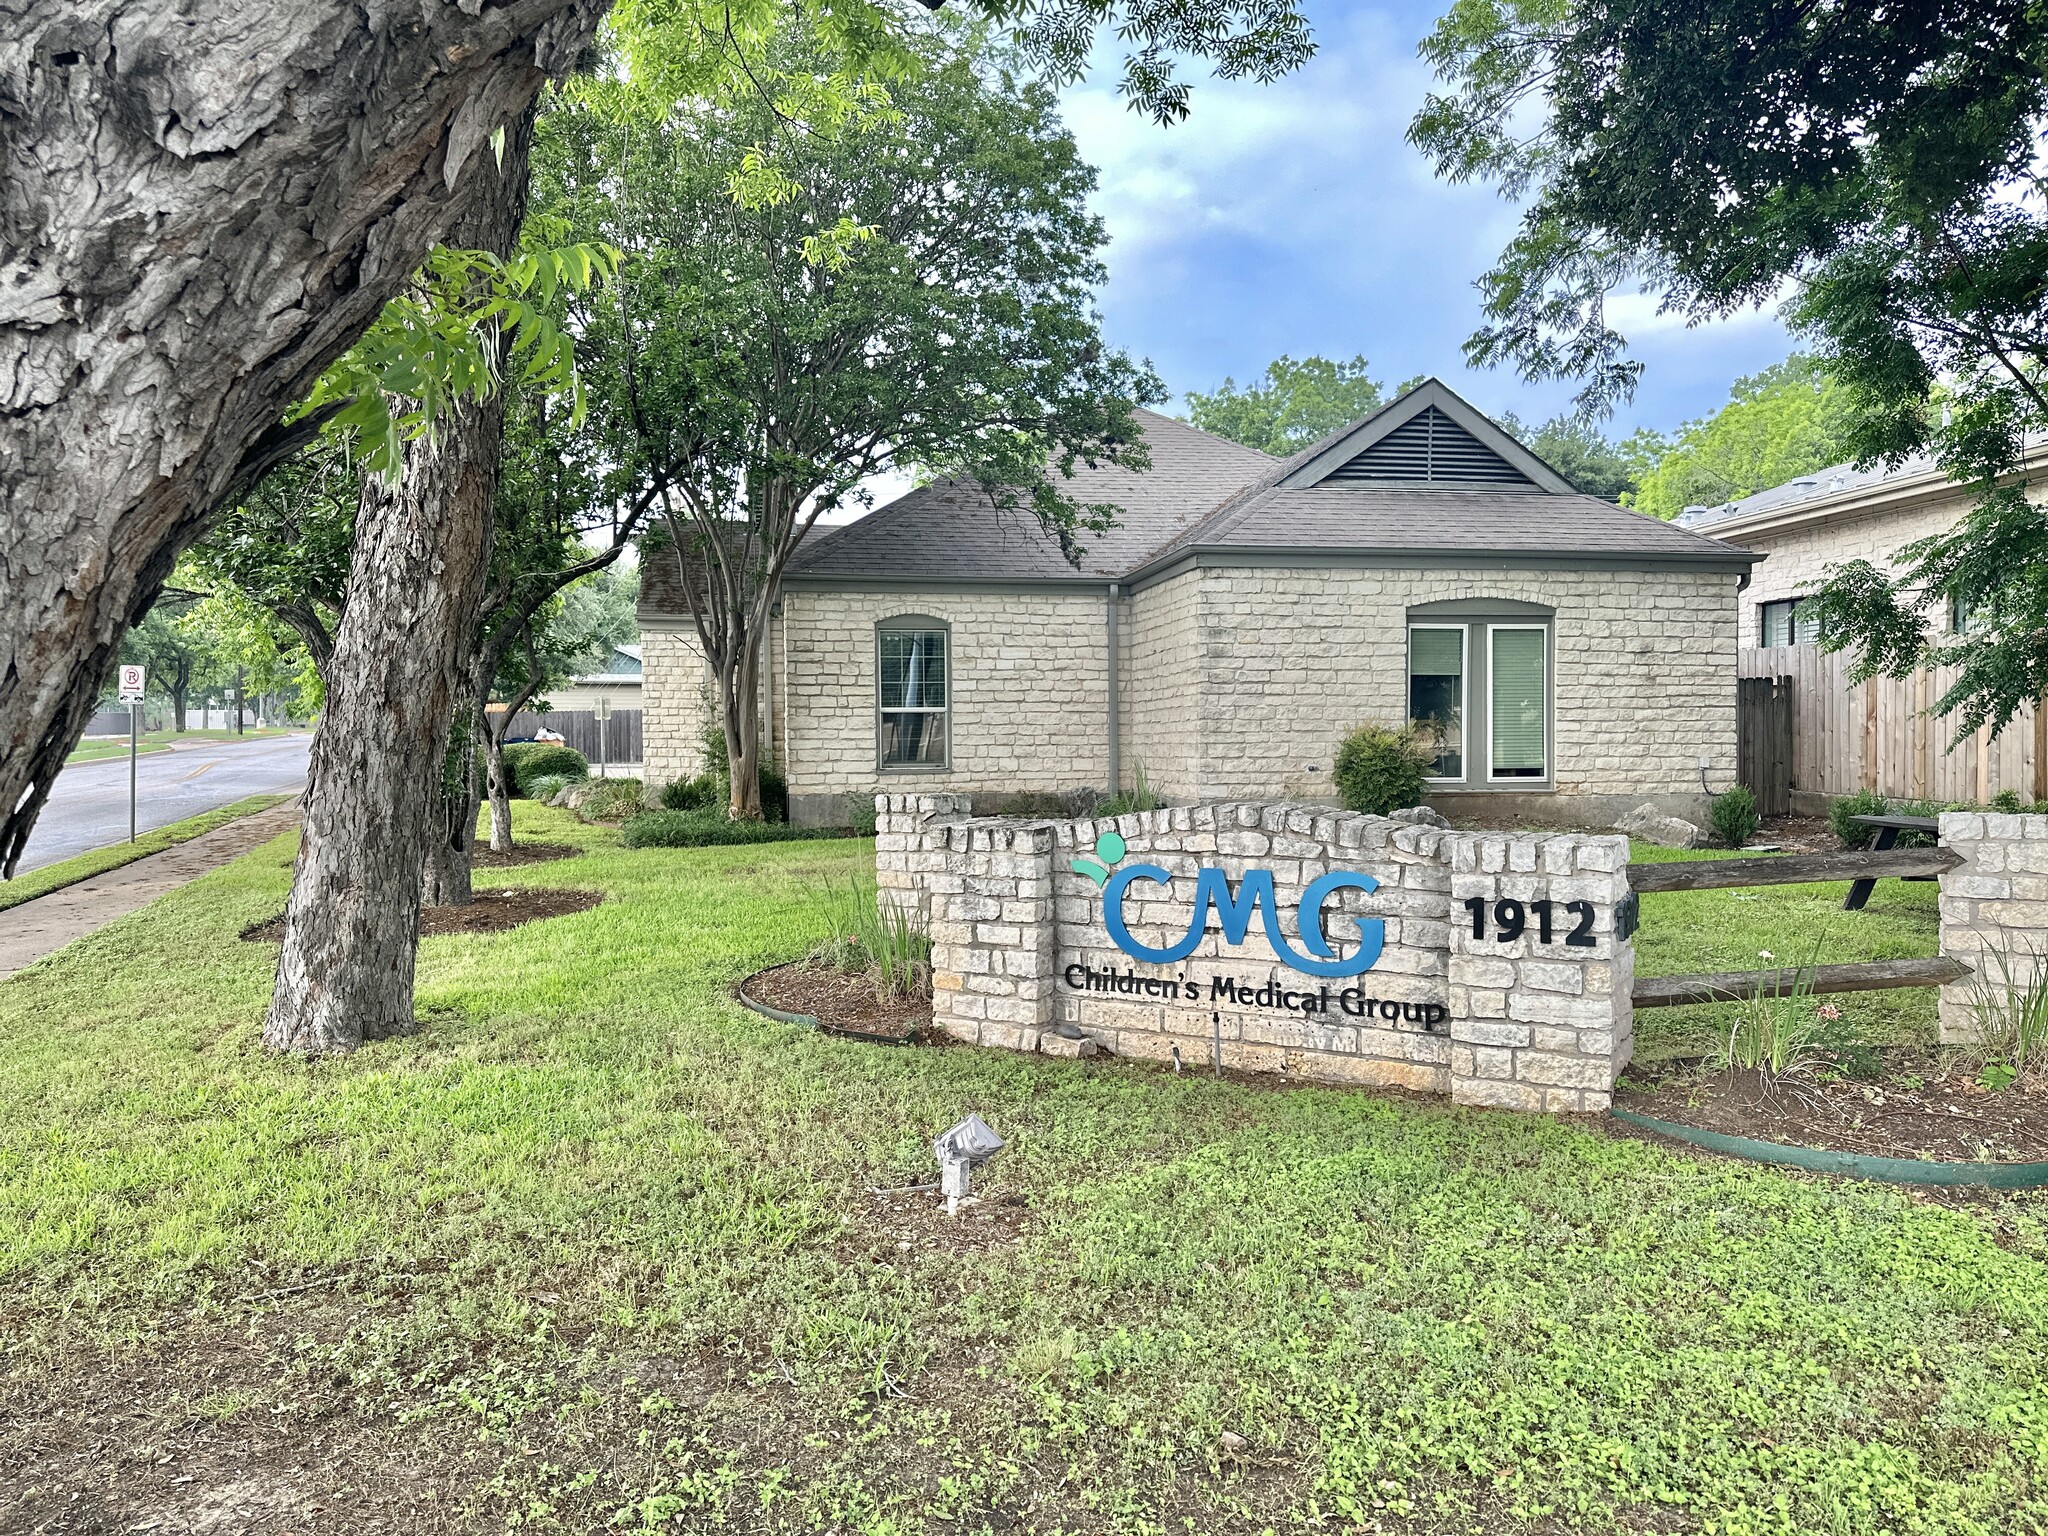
{"x": 603, "y": 709}
{"x": 131, "y": 695}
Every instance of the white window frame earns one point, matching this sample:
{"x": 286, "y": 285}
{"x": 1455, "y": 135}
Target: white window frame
{"x": 1464, "y": 632}
{"x": 1549, "y": 710}
{"x": 914, "y": 623}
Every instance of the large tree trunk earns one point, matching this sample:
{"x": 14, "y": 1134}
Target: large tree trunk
{"x": 401, "y": 675}
{"x": 201, "y": 205}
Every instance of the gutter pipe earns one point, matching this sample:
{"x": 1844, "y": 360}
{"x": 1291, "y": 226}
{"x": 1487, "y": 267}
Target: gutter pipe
{"x": 1116, "y": 777}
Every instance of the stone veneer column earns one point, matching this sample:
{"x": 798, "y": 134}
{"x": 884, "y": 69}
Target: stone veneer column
{"x": 1994, "y": 910}
{"x": 910, "y": 846}
{"x": 992, "y": 934}
{"x": 1538, "y": 1026}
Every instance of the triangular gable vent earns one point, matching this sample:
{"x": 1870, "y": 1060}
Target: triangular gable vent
{"x": 1429, "y": 446}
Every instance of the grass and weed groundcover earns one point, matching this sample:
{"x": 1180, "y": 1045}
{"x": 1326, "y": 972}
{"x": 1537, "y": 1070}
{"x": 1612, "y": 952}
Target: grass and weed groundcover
{"x": 598, "y": 1249}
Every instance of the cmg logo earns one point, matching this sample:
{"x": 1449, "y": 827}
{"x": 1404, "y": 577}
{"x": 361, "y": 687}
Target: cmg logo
{"x": 1255, "y": 895}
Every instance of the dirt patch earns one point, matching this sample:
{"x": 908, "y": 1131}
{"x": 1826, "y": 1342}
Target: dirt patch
{"x": 491, "y": 912}
{"x": 841, "y": 1002}
{"x": 486, "y": 857}
{"x": 907, "y": 1220}
{"x": 1928, "y": 1114}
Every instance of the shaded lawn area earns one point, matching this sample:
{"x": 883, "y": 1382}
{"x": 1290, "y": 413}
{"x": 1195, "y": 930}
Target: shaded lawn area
{"x": 1684, "y": 932}
{"x": 599, "y": 1248}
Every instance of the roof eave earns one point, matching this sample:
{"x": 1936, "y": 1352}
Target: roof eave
{"x": 1732, "y": 561}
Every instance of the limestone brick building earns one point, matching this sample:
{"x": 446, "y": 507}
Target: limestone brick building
{"x": 1241, "y": 618}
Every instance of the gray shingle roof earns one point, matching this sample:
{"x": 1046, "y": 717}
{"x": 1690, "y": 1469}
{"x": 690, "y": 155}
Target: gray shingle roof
{"x": 952, "y": 528}
{"x": 1207, "y": 494}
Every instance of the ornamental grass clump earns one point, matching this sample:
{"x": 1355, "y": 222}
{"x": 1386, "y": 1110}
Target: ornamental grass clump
{"x": 867, "y": 936}
{"x": 1381, "y": 770}
{"x": 1777, "y": 1030}
{"x": 2012, "y": 1020}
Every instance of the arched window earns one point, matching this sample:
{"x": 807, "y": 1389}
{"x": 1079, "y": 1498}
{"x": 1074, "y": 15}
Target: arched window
{"x": 913, "y": 692}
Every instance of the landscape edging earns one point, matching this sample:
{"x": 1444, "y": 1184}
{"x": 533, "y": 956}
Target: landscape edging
{"x": 1855, "y": 1165}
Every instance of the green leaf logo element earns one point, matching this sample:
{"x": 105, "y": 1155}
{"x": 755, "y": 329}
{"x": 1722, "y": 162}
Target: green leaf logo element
{"x": 1108, "y": 848}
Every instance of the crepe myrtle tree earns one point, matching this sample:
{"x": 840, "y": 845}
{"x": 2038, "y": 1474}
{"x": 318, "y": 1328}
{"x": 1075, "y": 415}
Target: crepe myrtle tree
{"x": 757, "y": 384}
{"x": 1879, "y": 164}
{"x": 203, "y": 203}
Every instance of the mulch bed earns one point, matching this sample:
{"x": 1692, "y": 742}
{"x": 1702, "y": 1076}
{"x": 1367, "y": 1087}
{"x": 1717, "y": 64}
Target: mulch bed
{"x": 1907, "y": 1113}
{"x": 484, "y": 857}
{"x": 491, "y": 912}
{"x": 841, "y": 1001}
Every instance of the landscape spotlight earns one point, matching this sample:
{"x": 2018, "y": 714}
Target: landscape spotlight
{"x": 961, "y": 1150}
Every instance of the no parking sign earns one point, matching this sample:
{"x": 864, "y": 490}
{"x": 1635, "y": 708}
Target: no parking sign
{"x": 131, "y": 685}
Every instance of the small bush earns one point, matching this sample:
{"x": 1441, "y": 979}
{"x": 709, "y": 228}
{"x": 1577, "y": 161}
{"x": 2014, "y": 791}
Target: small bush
{"x": 2007, "y": 802}
{"x": 718, "y": 769}
{"x": 1139, "y": 797}
{"x": 1381, "y": 771}
{"x": 526, "y": 761}
{"x": 706, "y": 829}
{"x": 774, "y": 796}
{"x": 860, "y": 813}
{"x": 701, "y": 793}
{"x": 1733, "y": 816}
{"x": 611, "y": 800}
{"x": 1041, "y": 803}
{"x": 1851, "y": 834}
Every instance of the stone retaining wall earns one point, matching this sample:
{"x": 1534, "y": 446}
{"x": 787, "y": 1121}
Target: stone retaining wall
{"x": 1023, "y": 957}
{"x": 1994, "y": 911}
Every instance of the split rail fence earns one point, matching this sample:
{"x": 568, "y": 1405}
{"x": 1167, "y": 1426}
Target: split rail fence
{"x": 1794, "y": 869}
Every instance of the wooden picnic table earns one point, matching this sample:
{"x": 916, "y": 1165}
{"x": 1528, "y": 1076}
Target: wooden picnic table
{"x": 1888, "y": 830}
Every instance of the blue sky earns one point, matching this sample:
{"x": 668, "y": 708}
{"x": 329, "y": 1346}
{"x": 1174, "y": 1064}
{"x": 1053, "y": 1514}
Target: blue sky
{"x": 1295, "y": 218}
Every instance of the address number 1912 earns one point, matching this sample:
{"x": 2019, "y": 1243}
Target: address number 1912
{"x": 1511, "y": 920}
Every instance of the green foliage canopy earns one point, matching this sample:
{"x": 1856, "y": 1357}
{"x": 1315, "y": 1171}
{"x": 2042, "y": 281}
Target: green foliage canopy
{"x": 1791, "y": 419}
{"x": 1295, "y": 404}
{"x": 1878, "y": 164}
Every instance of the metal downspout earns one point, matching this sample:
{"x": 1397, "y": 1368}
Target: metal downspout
{"x": 1116, "y": 776}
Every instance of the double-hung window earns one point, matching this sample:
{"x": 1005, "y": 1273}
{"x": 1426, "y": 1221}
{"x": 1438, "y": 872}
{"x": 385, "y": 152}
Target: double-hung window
{"x": 1479, "y": 682}
{"x": 913, "y": 678}
{"x": 1787, "y": 621}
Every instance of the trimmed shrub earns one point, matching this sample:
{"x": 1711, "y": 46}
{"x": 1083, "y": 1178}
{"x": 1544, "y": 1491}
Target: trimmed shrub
{"x": 860, "y": 813}
{"x": 610, "y": 799}
{"x": 1381, "y": 771}
{"x": 1850, "y": 834}
{"x": 526, "y": 761}
{"x": 696, "y": 794}
{"x": 707, "y": 829}
{"x": 1733, "y": 816}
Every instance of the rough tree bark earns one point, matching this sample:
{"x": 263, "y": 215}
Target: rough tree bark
{"x": 201, "y": 205}
{"x": 401, "y": 675}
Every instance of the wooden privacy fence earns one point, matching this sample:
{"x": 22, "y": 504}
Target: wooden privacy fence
{"x": 1880, "y": 735}
{"x": 1764, "y": 718}
{"x": 1797, "y": 869}
{"x": 578, "y": 729}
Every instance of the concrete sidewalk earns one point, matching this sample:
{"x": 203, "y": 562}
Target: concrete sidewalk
{"x": 37, "y": 928}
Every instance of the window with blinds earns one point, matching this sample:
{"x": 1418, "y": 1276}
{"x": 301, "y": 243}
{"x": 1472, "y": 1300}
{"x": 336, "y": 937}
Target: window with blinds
{"x": 1517, "y": 704}
{"x": 1786, "y": 622}
{"x": 1436, "y": 692}
{"x": 912, "y": 699}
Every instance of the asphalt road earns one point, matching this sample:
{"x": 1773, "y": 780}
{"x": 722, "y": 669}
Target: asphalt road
{"x": 89, "y": 806}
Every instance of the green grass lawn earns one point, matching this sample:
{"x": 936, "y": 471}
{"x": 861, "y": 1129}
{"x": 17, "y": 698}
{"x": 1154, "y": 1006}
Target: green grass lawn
{"x": 97, "y": 861}
{"x": 158, "y": 741}
{"x": 600, "y": 1250}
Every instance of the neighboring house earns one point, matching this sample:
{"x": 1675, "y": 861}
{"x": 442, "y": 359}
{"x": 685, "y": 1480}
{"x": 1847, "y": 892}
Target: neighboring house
{"x": 619, "y": 682}
{"x": 1240, "y": 620}
{"x": 1879, "y": 734}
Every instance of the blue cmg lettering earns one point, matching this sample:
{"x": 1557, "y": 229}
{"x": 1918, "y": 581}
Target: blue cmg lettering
{"x": 1234, "y": 911}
